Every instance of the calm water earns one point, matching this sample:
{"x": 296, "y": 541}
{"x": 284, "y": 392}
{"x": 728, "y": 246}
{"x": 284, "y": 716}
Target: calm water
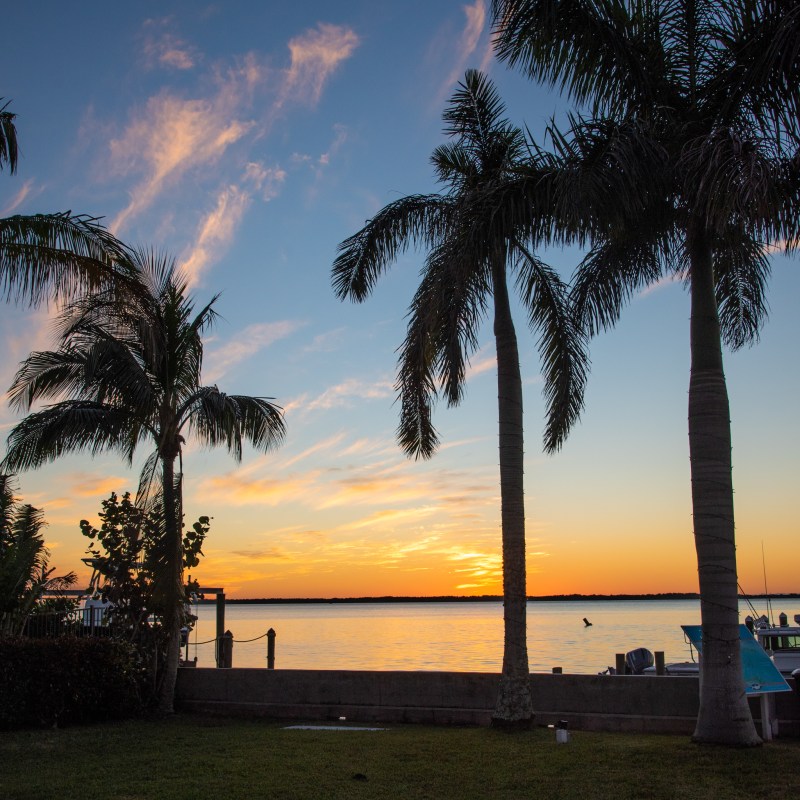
{"x": 449, "y": 636}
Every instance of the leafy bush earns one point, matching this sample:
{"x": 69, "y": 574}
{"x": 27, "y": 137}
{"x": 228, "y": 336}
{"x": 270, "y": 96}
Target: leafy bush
{"x": 56, "y": 682}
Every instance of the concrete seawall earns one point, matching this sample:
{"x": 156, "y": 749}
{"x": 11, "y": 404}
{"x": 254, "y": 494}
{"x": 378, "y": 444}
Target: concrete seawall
{"x": 663, "y": 704}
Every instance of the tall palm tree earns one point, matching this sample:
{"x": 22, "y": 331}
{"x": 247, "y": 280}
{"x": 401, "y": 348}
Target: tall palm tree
{"x": 52, "y": 255}
{"x": 680, "y": 169}
{"x": 471, "y": 252}
{"x": 126, "y": 374}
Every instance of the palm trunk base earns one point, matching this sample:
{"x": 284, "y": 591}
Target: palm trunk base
{"x": 719, "y": 721}
{"x": 166, "y": 692}
{"x": 514, "y": 708}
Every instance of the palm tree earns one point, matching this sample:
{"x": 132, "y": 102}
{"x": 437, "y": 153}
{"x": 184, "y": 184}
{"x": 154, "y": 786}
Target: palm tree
{"x": 125, "y": 374}
{"x": 470, "y": 253}
{"x": 25, "y": 574}
{"x": 679, "y": 171}
{"x": 52, "y": 256}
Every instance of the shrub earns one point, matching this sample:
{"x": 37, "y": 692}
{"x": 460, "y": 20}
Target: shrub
{"x": 56, "y": 682}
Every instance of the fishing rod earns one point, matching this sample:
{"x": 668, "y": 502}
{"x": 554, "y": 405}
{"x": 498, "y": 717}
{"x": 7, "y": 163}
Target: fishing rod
{"x": 766, "y": 591}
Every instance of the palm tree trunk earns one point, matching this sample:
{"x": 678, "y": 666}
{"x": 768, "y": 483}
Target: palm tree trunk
{"x": 514, "y": 706}
{"x": 173, "y": 610}
{"x": 724, "y": 715}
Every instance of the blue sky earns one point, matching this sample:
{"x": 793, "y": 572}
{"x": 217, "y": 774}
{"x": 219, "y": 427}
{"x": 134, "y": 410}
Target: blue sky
{"x": 248, "y": 141}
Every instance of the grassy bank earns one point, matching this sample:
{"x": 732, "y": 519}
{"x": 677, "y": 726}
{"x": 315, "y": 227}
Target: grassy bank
{"x": 197, "y": 757}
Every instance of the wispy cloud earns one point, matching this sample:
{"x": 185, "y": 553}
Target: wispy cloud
{"x": 326, "y": 444}
{"x": 216, "y": 231}
{"x": 661, "y": 283}
{"x": 242, "y": 489}
{"x": 266, "y": 180}
{"x": 470, "y": 41}
{"x": 161, "y": 48}
{"x": 172, "y": 135}
{"x": 480, "y": 364}
{"x": 326, "y": 342}
{"x": 88, "y": 485}
{"x": 343, "y": 393}
{"x": 315, "y": 55}
{"x": 218, "y": 228}
{"x": 245, "y": 344}
{"x": 25, "y": 191}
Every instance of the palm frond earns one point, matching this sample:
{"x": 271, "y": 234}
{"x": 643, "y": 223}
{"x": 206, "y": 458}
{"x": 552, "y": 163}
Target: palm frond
{"x": 364, "y": 256}
{"x": 148, "y": 491}
{"x": 56, "y": 256}
{"x": 742, "y": 269}
{"x": 8, "y": 139}
{"x": 68, "y": 427}
{"x": 603, "y": 53}
{"x": 230, "y": 420}
{"x": 475, "y": 111}
{"x": 417, "y": 390}
{"x": 561, "y": 344}
{"x": 612, "y": 271}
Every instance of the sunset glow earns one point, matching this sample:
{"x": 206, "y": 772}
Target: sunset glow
{"x": 248, "y": 147}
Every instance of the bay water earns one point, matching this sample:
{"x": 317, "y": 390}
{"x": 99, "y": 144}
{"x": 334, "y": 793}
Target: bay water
{"x": 459, "y": 636}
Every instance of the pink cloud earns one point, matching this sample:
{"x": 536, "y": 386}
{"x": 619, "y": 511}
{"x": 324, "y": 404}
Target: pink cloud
{"x": 315, "y": 55}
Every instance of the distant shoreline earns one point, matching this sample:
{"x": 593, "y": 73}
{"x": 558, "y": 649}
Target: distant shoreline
{"x": 476, "y": 599}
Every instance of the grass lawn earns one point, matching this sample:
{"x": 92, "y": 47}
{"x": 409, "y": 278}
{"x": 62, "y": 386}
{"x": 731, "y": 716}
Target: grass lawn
{"x": 194, "y": 757}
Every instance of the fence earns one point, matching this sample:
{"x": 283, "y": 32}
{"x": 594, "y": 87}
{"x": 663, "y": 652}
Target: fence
{"x": 76, "y": 622}
{"x": 223, "y": 645}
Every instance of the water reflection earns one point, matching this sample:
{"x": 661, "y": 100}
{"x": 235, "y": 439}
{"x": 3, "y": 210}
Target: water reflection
{"x": 446, "y": 636}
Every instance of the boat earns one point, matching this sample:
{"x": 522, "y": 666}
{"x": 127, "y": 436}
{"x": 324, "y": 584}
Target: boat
{"x": 780, "y": 642}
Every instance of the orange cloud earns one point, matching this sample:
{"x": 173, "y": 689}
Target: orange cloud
{"x": 25, "y": 191}
{"x": 216, "y": 231}
{"x": 172, "y": 136}
{"x": 162, "y": 48}
{"x": 468, "y": 42}
{"x": 240, "y": 489}
{"x": 314, "y": 57}
{"x": 84, "y": 485}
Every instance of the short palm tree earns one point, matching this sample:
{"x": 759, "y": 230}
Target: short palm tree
{"x": 25, "y": 574}
{"x": 471, "y": 251}
{"x": 129, "y": 373}
{"x": 52, "y": 255}
{"x": 681, "y": 169}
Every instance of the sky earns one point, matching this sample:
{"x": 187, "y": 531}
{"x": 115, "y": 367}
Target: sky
{"x": 247, "y": 144}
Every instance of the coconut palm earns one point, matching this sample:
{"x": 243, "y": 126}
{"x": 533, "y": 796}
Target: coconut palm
{"x": 52, "y": 255}
{"x": 126, "y": 374}
{"x": 25, "y": 574}
{"x": 680, "y": 169}
{"x": 471, "y": 255}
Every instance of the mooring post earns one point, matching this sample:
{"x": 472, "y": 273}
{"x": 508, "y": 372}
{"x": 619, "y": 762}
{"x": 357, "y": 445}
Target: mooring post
{"x": 225, "y": 650}
{"x": 271, "y": 648}
{"x": 659, "y": 654}
{"x": 620, "y": 663}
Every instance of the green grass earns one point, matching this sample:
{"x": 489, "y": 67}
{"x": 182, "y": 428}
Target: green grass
{"x": 198, "y": 758}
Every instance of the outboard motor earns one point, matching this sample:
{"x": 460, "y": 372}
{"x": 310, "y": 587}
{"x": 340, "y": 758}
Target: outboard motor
{"x": 637, "y": 661}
